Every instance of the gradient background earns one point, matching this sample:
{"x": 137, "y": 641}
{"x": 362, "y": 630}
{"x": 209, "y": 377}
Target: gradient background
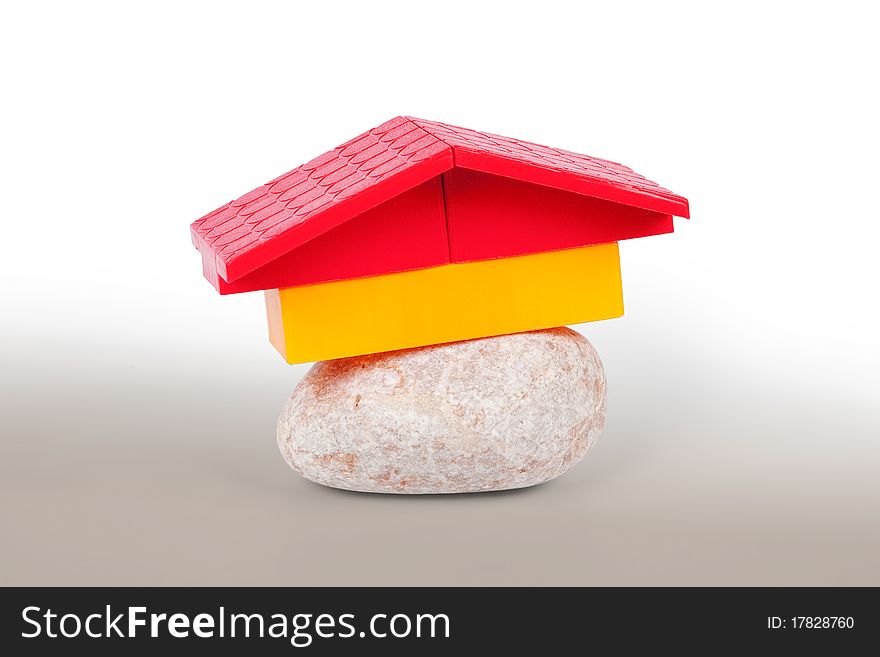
{"x": 137, "y": 407}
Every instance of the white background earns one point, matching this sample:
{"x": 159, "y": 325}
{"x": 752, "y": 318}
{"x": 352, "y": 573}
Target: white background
{"x": 743, "y": 380}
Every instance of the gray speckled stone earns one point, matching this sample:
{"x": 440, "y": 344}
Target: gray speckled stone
{"x": 482, "y": 415}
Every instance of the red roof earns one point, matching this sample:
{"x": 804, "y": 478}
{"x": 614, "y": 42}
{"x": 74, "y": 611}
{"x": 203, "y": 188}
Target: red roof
{"x": 272, "y": 220}
{"x": 554, "y": 167}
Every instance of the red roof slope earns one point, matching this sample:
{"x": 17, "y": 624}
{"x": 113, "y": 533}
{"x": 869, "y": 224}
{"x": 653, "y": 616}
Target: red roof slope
{"x": 286, "y": 212}
{"x": 554, "y": 167}
{"x": 313, "y": 198}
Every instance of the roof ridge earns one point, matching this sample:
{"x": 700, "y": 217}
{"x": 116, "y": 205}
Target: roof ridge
{"x": 417, "y": 122}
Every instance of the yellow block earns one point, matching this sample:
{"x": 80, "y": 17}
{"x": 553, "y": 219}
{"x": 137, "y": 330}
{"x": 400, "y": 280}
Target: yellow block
{"x": 444, "y": 304}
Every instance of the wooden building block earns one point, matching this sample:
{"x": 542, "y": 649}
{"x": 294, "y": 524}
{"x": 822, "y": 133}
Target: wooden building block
{"x": 457, "y": 301}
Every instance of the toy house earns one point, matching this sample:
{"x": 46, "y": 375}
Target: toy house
{"x": 418, "y": 233}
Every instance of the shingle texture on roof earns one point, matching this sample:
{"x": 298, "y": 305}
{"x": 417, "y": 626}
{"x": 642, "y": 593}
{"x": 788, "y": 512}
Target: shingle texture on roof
{"x": 313, "y": 190}
{"x": 484, "y": 151}
{"x": 275, "y": 218}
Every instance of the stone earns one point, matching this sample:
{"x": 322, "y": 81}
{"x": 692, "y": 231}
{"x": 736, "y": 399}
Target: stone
{"x": 481, "y": 415}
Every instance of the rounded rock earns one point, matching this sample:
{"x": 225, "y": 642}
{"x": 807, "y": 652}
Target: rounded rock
{"x": 481, "y": 415}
